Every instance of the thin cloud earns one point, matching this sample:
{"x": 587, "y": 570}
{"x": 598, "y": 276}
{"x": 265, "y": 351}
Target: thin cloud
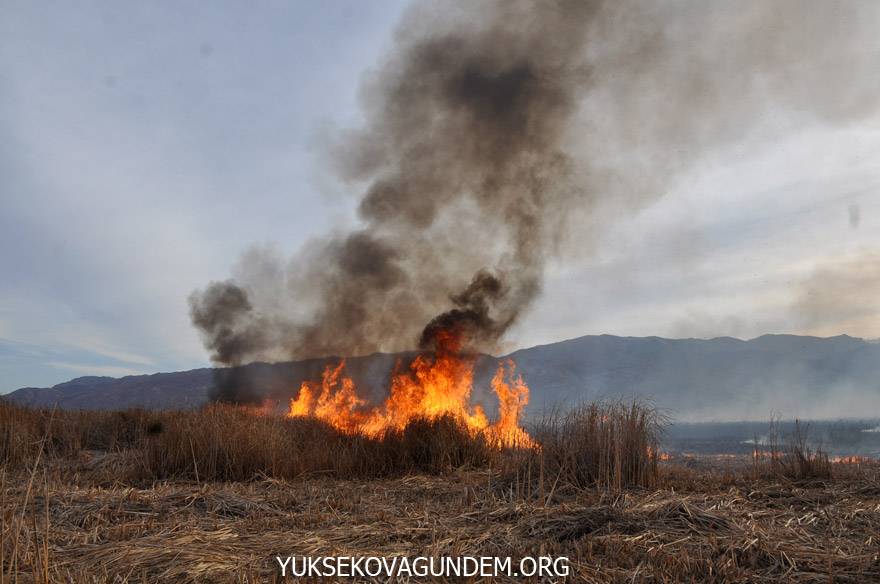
{"x": 101, "y": 370}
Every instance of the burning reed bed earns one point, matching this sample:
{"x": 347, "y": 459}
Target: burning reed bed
{"x": 227, "y": 443}
{"x": 609, "y": 446}
{"x": 230, "y": 443}
{"x": 213, "y": 495}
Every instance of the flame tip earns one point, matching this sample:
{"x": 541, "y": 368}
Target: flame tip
{"x": 434, "y": 385}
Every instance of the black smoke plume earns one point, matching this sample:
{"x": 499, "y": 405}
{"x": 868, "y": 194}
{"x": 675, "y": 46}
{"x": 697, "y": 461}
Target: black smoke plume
{"x": 494, "y": 127}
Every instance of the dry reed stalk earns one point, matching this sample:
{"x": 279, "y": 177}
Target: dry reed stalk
{"x": 2, "y": 524}
{"x": 46, "y": 535}
{"x": 606, "y": 446}
{"x": 796, "y": 461}
{"x": 17, "y": 524}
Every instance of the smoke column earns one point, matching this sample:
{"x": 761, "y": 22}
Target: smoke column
{"x": 495, "y": 127}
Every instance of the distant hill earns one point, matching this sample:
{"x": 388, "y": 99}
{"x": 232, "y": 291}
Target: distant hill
{"x": 715, "y": 379}
{"x": 694, "y": 379}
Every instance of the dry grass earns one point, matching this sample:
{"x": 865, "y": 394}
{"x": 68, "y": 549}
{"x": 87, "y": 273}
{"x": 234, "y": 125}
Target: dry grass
{"x": 606, "y": 445}
{"x": 795, "y": 460}
{"x": 184, "y": 531}
{"x": 214, "y": 495}
{"x": 225, "y": 443}
{"x": 26, "y": 432}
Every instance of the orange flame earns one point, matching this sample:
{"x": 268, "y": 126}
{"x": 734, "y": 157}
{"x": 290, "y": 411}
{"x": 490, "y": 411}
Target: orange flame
{"x": 853, "y": 459}
{"x": 659, "y": 455}
{"x": 433, "y": 386}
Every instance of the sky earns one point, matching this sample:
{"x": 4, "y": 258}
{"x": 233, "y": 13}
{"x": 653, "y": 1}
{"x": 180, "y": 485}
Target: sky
{"x": 145, "y": 146}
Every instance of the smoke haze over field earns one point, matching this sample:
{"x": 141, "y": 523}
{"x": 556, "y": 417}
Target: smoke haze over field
{"x": 842, "y": 294}
{"x": 500, "y": 132}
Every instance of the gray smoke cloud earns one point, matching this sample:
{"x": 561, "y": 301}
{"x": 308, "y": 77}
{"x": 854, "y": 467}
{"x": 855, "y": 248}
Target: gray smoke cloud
{"x": 840, "y": 295}
{"x": 501, "y": 134}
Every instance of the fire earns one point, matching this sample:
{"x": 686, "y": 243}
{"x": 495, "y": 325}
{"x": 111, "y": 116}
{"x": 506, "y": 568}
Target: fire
{"x": 336, "y": 403}
{"x": 765, "y": 454}
{"x": 659, "y": 455}
{"x": 513, "y": 396}
{"x": 853, "y": 459}
{"x": 431, "y": 387}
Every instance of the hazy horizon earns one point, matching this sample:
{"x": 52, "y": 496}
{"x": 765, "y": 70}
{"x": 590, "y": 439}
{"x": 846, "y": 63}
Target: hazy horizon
{"x": 499, "y": 355}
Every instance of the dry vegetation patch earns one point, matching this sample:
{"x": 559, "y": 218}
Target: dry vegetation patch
{"x": 183, "y": 531}
{"x": 143, "y": 497}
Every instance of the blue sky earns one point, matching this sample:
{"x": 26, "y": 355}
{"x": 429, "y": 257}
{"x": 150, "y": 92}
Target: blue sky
{"x": 146, "y": 145}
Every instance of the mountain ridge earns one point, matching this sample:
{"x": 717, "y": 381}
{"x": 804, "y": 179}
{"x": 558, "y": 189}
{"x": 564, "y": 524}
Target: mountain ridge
{"x": 720, "y": 378}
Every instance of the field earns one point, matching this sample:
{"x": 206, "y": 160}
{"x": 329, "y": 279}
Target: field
{"x": 215, "y": 495}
